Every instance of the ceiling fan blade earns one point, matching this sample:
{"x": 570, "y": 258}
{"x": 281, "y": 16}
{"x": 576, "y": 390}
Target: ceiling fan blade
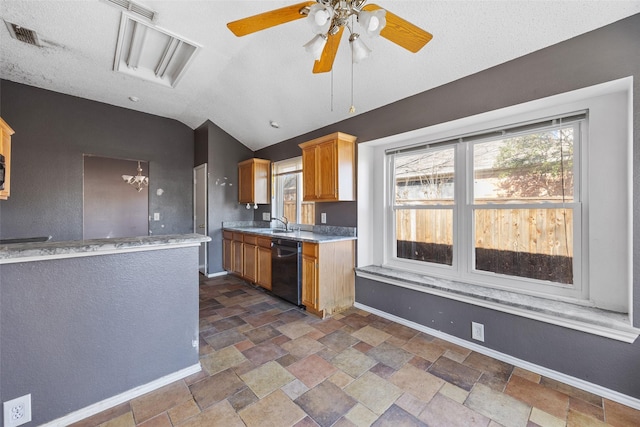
{"x": 265, "y": 20}
{"x": 402, "y": 32}
{"x": 328, "y": 53}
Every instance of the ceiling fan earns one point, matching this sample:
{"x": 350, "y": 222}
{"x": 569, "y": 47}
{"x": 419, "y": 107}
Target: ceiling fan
{"x": 328, "y": 19}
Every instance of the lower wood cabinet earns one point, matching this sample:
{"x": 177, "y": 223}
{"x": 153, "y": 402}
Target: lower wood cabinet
{"x": 328, "y": 278}
{"x": 227, "y": 257}
{"x": 248, "y": 256}
{"x": 264, "y": 262}
{"x": 237, "y": 254}
{"x": 250, "y": 266}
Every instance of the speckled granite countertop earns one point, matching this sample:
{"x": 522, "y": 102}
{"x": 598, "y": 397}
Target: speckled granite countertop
{"x": 22, "y": 252}
{"x": 314, "y": 234}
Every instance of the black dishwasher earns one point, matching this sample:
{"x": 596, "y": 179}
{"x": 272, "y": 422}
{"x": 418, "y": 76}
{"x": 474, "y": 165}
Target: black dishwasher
{"x": 286, "y": 271}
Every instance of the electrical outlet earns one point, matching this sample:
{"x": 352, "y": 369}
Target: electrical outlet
{"x": 266, "y": 216}
{"x": 477, "y": 331}
{"x": 156, "y": 216}
{"x": 323, "y": 218}
{"x": 17, "y": 411}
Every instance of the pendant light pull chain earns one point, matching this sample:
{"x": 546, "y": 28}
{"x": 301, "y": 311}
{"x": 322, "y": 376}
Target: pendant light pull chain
{"x": 352, "y": 109}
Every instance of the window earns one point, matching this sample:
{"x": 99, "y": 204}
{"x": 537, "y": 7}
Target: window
{"x": 287, "y": 195}
{"x": 500, "y": 207}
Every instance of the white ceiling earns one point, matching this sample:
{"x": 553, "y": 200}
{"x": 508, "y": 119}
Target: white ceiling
{"x": 241, "y": 84}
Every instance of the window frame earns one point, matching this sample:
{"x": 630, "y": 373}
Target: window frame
{"x": 296, "y": 163}
{"x": 464, "y": 209}
{"x": 608, "y": 213}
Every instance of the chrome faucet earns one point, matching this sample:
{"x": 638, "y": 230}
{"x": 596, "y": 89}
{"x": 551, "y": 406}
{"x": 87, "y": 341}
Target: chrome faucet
{"x": 285, "y": 221}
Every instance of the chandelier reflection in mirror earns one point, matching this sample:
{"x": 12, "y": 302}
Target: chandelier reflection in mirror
{"x": 138, "y": 181}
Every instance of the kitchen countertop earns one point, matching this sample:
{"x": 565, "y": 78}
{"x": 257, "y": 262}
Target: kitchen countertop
{"x": 22, "y": 252}
{"x": 299, "y": 236}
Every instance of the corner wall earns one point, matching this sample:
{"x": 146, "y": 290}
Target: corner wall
{"x": 222, "y": 153}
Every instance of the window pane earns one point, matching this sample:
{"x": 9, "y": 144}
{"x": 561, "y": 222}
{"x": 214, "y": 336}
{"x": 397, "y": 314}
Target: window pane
{"x": 424, "y": 178}
{"x": 531, "y": 168}
{"x": 290, "y": 196}
{"x": 425, "y": 235}
{"x": 532, "y": 243}
{"x": 287, "y": 193}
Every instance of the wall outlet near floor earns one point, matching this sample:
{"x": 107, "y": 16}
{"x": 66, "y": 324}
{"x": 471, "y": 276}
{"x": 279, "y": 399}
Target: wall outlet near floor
{"x": 323, "y": 218}
{"x": 17, "y": 411}
{"x": 266, "y": 216}
{"x": 477, "y": 331}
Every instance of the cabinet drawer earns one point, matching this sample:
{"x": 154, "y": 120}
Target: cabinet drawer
{"x": 250, "y": 239}
{"x": 264, "y": 242}
{"x": 310, "y": 249}
{"x": 237, "y": 236}
{"x": 228, "y": 235}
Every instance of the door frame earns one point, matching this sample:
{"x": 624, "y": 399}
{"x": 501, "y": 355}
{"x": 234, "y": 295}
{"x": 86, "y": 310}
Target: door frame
{"x": 196, "y": 227}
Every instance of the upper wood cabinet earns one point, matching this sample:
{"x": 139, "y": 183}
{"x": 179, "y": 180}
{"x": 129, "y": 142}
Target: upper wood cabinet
{"x": 253, "y": 181}
{"x": 5, "y": 150}
{"x": 328, "y": 168}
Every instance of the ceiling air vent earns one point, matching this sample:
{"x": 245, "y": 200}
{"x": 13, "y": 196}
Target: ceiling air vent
{"x": 135, "y": 8}
{"x": 151, "y": 53}
{"x": 23, "y": 34}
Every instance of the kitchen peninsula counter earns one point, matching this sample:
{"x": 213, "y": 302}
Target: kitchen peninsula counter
{"x": 118, "y": 318}
{"x": 39, "y": 251}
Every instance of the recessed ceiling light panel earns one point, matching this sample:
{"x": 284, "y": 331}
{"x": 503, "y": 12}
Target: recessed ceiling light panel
{"x": 151, "y": 53}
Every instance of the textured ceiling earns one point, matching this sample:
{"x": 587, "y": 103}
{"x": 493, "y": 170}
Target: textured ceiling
{"x": 241, "y": 84}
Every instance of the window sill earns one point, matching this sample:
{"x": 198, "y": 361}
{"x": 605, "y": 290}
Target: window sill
{"x": 591, "y": 320}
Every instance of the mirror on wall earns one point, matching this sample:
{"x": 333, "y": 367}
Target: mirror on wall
{"x": 111, "y": 206}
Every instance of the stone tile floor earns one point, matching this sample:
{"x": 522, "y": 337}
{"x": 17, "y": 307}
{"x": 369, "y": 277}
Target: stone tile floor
{"x": 267, "y": 363}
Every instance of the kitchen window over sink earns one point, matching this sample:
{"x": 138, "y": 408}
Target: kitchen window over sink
{"x": 287, "y": 193}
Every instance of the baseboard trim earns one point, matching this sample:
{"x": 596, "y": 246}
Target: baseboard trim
{"x": 549, "y": 373}
{"x": 221, "y": 273}
{"x": 123, "y": 397}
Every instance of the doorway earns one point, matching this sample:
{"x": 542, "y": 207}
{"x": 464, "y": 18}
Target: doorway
{"x": 200, "y": 211}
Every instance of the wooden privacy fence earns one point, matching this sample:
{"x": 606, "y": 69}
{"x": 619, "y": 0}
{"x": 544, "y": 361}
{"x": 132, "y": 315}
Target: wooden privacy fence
{"x": 536, "y": 231}
{"x": 307, "y": 216}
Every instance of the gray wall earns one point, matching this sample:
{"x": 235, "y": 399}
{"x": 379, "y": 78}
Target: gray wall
{"x": 606, "y": 54}
{"x": 53, "y": 131}
{"x": 76, "y": 331}
{"x": 222, "y": 153}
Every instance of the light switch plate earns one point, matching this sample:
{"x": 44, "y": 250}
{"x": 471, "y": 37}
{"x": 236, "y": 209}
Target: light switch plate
{"x": 323, "y": 218}
{"x": 266, "y": 216}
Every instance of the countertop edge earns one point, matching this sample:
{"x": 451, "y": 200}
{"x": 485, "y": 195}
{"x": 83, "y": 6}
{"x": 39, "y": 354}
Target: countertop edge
{"x": 39, "y": 251}
{"x": 300, "y": 236}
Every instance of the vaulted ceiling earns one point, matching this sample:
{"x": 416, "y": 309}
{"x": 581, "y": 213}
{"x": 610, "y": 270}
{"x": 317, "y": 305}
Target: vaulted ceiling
{"x": 243, "y": 83}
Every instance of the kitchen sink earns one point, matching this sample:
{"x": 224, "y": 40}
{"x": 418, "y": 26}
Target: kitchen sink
{"x": 282, "y": 231}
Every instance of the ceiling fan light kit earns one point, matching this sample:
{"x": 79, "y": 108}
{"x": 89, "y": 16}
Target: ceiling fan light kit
{"x": 359, "y": 50}
{"x": 315, "y": 46}
{"x": 329, "y": 18}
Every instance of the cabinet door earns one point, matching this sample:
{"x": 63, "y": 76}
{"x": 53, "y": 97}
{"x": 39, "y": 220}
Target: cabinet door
{"x": 264, "y": 267}
{"x": 226, "y": 254}
{"x": 310, "y": 282}
{"x": 250, "y": 262}
{"x": 327, "y": 172}
{"x": 5, "y": 150}
{"x": 309, "y": 174}
{"x": 245, "y": 183}
{"x": 237, "y": 254}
